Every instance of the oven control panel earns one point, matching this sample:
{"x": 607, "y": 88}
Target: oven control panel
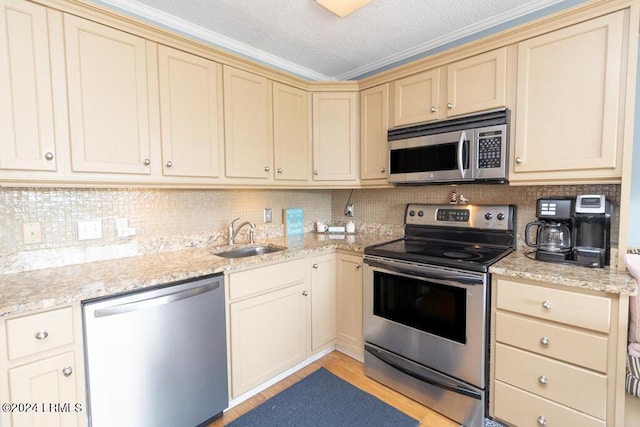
{"x": 494, "y": 217}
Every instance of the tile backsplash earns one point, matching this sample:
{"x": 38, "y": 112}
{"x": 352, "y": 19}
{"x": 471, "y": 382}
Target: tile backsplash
{"x": 169, "y": 219}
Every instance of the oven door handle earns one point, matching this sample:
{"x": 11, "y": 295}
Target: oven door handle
{"x": 404, "y": 268}
{"x": 450, "y": 387}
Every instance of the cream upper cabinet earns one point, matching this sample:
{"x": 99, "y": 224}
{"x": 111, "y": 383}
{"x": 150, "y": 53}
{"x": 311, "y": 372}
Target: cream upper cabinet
{"x": 291, "y": 133}
{"x": 27, "y": 138}
{"x": 335, "y": 136}
{"x": 374, "y": 124}
{"x": 472, "y": 84}
{"x": 477, "y": 83}
{"x": 569, "y": 93}
{"x": 191, "y": 113}
{"x": 248, "y": 125}
{"x": 416, "y": 98}
{"x": 323, "y": 300}
{"x": 108, "y": 98}
{"x": 349, "y": 291}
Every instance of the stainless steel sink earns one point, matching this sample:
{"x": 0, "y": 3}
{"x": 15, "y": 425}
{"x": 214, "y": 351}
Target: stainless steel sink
{"x": 249, "y": 251}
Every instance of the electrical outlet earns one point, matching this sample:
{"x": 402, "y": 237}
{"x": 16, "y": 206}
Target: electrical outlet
{"x": 267, "y": 215}
{"x": 90, "y": 229}
{"x": 123, "y": 229}
{"x": 31, "y": 233}
{"x": 348, "y": 211}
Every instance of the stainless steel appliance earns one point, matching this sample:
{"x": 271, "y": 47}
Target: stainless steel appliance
{"x": 157, "y": 357}
{"x": 572, "y": 230}
{"x": 464, "y": 149}
{"x": 426, "y": 305}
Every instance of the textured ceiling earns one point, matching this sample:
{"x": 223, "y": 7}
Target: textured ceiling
{"x": 303, "y": 38}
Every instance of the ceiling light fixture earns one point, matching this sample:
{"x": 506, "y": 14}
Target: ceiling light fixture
{"x": 342, "y": 8}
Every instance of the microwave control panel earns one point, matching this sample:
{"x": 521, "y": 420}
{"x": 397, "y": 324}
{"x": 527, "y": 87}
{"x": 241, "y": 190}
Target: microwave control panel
{"x": 490, "y": 149}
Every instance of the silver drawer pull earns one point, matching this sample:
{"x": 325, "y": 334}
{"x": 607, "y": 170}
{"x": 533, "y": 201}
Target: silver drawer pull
{"x": 305, "y": 293}
{"x": 543, "y": 380}
{"x": 358, "y": 265}
{"x": 146, "y": 162}
{"x": 546, "y": 305}
{"x": 314, "y": 266}
{"x": 49, "y": 155}
{"x": 40, "y": 335}
{"x": 542, "y": 420}
{"x": 544, "y": 341}
{"x": 67, "y": 371}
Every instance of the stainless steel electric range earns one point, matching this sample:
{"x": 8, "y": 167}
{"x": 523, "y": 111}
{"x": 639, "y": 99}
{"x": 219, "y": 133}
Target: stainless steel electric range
{"x": 426, "y": 305}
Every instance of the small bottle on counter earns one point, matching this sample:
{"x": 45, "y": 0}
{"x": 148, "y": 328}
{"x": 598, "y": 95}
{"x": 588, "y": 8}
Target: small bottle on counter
{"x": 454, "y": 197}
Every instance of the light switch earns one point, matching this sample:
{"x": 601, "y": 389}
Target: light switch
{"x": 31, "y": 233}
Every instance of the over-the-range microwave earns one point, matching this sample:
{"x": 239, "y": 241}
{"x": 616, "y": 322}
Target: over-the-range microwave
{"x": 470, "y": 148}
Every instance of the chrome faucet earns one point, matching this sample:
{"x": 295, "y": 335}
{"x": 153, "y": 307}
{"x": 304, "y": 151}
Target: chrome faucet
{"x": 233, "y": 233}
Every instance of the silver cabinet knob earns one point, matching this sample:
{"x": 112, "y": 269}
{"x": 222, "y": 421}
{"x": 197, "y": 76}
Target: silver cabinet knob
{"x": 358, "y": 265}
{"x": 546, "y": 305}
{"x": 279, "y": 170}
{"x": 315, "y": 266}
{"x": 315, "y": 172}
{"x": 543, "y": 380}
{"x": 146, "y": 162}
{"x": 40, "y": 335}
{"x": 449, "y": 105}
{"x": 519, "y": 160}
{"x": 383, "y": 170}
{"x": 433, "y": 109}
{"x": 305, "y": 293}
{"x": 49, "y": 155}
{"x": 169, "y": 164}
{"x": 542, "y": 420}
{"x": 67, "y": 371}
{"x": 544, "y": 341}
{"x": 267, "y": 168}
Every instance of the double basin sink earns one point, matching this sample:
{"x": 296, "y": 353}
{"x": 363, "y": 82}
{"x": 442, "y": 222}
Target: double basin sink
{"x": 249, "y": 251}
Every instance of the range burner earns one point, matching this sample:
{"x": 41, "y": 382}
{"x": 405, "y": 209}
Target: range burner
{"x": 462, "y": 255}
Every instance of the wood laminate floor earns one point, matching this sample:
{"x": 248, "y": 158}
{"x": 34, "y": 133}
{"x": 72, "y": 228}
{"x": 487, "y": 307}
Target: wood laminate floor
{"x": 351, "y": 371}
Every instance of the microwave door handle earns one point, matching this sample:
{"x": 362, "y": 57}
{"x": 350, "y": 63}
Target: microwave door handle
{"x": 463, "y": 137}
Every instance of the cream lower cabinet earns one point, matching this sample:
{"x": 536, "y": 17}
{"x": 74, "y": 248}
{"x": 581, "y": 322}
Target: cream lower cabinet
{"x": 374, "y": 124}
{"x": 43, "y": 374}
{"x": 556, "y": 358}
{"x": 323, "y": 301}
{"x": 349, "y": 292}
{"x": 268, "y": 322}
{"x": 570, "y": 95}
{"x": 335, "y": 136}
{"x": 466, "y": 86}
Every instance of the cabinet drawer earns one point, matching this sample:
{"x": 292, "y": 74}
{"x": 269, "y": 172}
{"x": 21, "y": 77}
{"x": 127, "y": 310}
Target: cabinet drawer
{"x": 519, "y": 408}
{"x": 570, "y": 345}
{"x": 39, "y": 332}
{"x": 570, "y": 307}
{"x": 264, "y": 279}
{"x": 569, "y": 385}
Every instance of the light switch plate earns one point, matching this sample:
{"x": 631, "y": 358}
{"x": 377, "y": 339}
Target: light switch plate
{"x": 267, "y": 215}
{"x": 31, "y": 233}
{"x": 90, "y": 229}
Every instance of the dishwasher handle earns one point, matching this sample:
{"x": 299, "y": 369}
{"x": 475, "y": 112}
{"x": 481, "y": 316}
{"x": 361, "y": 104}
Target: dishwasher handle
{"x": 154, "y": 301}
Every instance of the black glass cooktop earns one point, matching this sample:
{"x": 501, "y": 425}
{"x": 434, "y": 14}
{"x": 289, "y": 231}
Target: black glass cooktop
{"x": 444, "y": 253}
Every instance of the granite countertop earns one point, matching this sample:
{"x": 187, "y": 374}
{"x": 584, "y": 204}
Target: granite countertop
{"x": 606, "y": 279}
{"x": 53, "y": 287}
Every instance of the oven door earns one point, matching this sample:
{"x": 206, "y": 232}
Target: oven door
{"x": 434, "y": 316}
{"x": 429, "y": 158}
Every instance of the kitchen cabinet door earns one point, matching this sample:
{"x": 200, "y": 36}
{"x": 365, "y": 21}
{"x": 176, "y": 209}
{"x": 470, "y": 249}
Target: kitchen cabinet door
{"x": 27, "y": 138}
{"x": 323, "y": 301}
{"x": 335, "y": 136}
{"x": 268, "y": 336}
{"x": 191, "y": 113}
{"x": 248, "y": 125}
{"x": 349, "y": 283}
{"x": 568, "y": 122}
{"x": 477, "y": 83}
{"x": 416, "y": 98}
{"x": 48, "y": 383}
{"x": 291, "y": 136}
{"x": 108, "y": 103}
{"x": 374, "y": 124}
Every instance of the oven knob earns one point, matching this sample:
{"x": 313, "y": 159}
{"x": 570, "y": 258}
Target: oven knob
{"x": 500, "y": 216}
{"x": 488, "y": 216}
{"x": 412, "y": 213}
{"x": 420, "y": 213}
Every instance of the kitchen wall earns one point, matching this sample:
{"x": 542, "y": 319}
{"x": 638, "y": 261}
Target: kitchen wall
{"x": 172, "y": 219}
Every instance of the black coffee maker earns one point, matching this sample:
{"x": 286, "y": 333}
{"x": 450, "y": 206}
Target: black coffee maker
{"x": 572, "y": 230}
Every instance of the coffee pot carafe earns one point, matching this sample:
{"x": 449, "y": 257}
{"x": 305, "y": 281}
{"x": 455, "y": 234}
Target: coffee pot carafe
{"x": 550, "y": 237}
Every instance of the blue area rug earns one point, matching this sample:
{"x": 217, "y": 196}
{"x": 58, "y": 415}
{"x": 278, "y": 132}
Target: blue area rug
{"x": 324, "y": 400}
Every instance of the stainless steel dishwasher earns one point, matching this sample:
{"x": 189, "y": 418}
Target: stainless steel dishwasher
{"x": 157, "y": 357}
